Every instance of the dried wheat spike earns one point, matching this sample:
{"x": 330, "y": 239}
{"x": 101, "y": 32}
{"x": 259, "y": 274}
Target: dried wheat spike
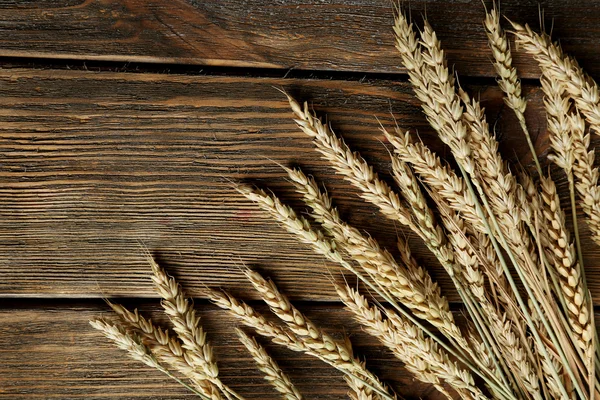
{"x": 273, "y": 374}
{"x": 130, "y": 343}
{"x": 312, "y": 336}
{"x": 431, "y": 231}
{"x": 185, "y": 322}
{"x": 167, "y": 349}
{"x": 410, "y": 283}
{"x": 563, "y": 69}
{"x": 420, "y": 354}
{"x": 558, "y": 107}
{"x": 509, "y": 81}
{"x": 499, "y": 184}
{"x": 437, "y": 174}
{"x": 350, "y": 164}
{"x": 249, "y": 317}
{"x": 253, "y": 319}
{"x": 586, "y": 175}
{"x": 556, "y": 239}
{"x": 292, "y": 222}
{"x": 434, "y": 87}
{"x": 510, "y": 341}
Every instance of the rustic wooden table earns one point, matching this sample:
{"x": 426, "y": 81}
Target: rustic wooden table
{"x": 124, "y": 121}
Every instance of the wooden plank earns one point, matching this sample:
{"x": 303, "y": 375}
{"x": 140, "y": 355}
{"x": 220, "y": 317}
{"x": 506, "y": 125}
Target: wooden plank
{"x": 50, "y": 351}
{"x": 93, "y": 163}
{"x": 337, "y": 35}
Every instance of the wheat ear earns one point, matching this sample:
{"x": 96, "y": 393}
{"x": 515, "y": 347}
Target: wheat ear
{"x": 508, "y": 79}
{"x": 561, "y": 68}
{"x": 167, "y": 349}
{"x": 273, "y": 374}
{"x": 586, "y": 175}
{"x": 568, "y": 145}
{"x": 186, "y": 324}
{"x": 421, "y": 355}
{"x": 350, "y": 164}
{"x": 312, "y": 336}
{"x": 253, "y": 319}
{"x": 565, "y": 261}
{"x": 342, "y": 361}
{"x": 136, "y": 349}
{"x": 434, "y": 87}
{"x": 410, "y": 283}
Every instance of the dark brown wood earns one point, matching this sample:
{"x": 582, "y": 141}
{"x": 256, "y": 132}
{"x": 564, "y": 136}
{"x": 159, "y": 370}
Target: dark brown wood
{"x": 337, "y": 35}
{"x": 93, "y": 164}
{"x": 50, "y": 351}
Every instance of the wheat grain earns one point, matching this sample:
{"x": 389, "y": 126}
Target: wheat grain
{"x": 273, "y": 374}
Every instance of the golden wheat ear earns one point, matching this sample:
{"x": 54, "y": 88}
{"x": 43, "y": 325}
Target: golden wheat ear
{"x": 137, "y": 350}
{"x": 267, "y": 365}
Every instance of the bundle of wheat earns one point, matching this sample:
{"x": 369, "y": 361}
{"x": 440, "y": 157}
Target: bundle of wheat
{"x": 501, "y": 236}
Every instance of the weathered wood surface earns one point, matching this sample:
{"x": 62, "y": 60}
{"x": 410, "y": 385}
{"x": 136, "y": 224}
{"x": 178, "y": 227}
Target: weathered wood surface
{"x": 50, "y": 351}
{"x": 92, "y": 164}
{"x": 347, "y": 35}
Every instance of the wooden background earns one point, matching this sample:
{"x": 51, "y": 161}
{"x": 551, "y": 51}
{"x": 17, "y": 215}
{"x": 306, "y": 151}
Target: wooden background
{"x": 125, "y": 121}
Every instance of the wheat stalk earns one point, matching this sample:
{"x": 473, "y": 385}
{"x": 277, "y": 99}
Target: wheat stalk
{"x": 273, "y": 374}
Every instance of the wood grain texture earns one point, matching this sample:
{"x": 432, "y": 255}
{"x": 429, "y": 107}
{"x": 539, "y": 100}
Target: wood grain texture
{"x": 92, "y": 164}
{"x": 50, "y": 351}
{"x": 341, "y": 35}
